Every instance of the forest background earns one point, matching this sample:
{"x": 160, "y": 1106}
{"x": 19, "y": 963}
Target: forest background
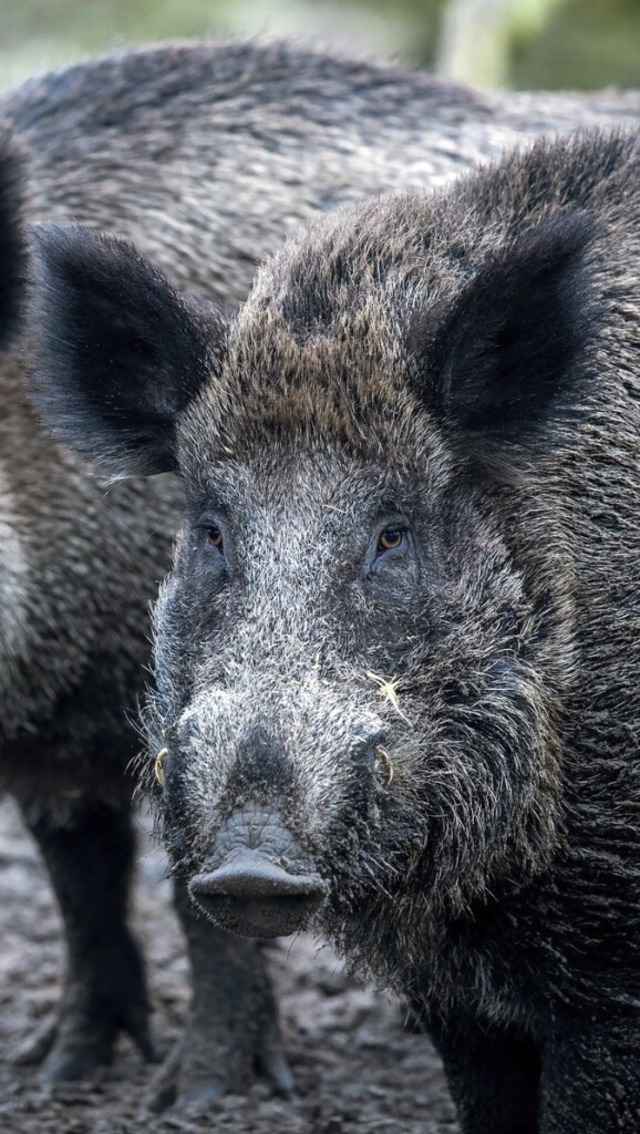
{"x": 525, "y": 44}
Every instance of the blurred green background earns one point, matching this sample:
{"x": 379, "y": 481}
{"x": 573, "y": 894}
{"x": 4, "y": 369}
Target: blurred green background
{"x": 583, "y": 44}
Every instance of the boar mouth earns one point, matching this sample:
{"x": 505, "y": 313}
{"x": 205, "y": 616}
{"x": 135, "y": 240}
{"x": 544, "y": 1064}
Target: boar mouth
{"x": 253, "y": 896}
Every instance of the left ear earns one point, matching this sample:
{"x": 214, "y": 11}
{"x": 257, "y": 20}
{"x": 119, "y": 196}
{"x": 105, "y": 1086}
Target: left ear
{"x": 115, "y": 354}
{"x": 515, "y": 341}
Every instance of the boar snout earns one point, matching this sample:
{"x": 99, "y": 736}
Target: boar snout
{"x": 255, "y": 897}
{"x": 264, "y": 886}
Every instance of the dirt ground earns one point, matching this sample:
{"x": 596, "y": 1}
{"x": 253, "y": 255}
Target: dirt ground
{"x": 356, "y": 1067}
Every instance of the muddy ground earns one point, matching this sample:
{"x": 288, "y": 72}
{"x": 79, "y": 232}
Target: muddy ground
{"x": 356, "y": 1067}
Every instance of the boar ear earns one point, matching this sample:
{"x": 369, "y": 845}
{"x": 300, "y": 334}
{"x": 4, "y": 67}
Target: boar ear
{"x": 12, "y": 239}
{"x": 116, "y": 353}
{"x": 513, "y": 349}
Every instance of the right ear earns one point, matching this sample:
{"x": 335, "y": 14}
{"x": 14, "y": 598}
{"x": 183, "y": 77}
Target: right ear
{"x": 116, "y": 354}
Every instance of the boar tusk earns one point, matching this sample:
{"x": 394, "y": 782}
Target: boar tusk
{"x": 383, "y": 757}
{"x": 158, "y": 767}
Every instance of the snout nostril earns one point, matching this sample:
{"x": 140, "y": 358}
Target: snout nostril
{"x": 251, "y": 895}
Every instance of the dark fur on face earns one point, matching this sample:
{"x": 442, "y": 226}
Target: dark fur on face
{"x": 401, "y": 620}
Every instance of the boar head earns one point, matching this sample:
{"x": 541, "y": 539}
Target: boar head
{"x": 367, "y": 632}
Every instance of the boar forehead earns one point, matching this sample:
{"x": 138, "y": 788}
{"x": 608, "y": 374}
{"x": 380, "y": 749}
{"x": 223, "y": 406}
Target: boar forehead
{"x": 317, "y": 358}
{"x": 341, "y": 399}
{"x": 277, "y": 397}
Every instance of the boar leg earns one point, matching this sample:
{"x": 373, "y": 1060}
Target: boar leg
{"x": 87, "y": 846}
{"x": 591, "y": 1078}
{"x": 233, "y": 1028}
{"x": 493, "y": 1074}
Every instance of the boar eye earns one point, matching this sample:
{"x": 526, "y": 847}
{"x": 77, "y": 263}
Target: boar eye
{"x": 214, "y": 537}
{"x": 389, "y": 540}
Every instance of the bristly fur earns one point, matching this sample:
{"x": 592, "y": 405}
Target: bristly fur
{"x": 461, "y": 368}
{"x": 12, "y": 238}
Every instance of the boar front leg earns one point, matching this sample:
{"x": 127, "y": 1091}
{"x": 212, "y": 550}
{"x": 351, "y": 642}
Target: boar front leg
{"x": 493, "y": 1074}
{"x": 233, "y": 1028}
{"x": 88, "y": 846}
{"x": 591, "y": 1077}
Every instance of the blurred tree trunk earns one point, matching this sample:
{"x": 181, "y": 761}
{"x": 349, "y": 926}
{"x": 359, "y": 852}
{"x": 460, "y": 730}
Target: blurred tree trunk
{"x": 476, "y": 37}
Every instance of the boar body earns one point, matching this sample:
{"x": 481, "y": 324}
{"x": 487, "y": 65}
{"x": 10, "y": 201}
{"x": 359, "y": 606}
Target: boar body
{"x": 396, "y": 656}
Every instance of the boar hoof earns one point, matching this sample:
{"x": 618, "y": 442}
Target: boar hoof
{"x": 74, "y": 1044}
{"x": 211, "y": 1061}
{"x": 251, "y": 895}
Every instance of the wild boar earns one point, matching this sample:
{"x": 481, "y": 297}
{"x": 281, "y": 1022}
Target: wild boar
{"x": 397, "y": 655}
{"x": 205, "y": 156}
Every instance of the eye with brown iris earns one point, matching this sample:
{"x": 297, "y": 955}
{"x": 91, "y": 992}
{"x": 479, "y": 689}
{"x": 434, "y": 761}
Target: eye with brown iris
{"x": 214, "y": 537}
{"x": 390, "y": 540}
